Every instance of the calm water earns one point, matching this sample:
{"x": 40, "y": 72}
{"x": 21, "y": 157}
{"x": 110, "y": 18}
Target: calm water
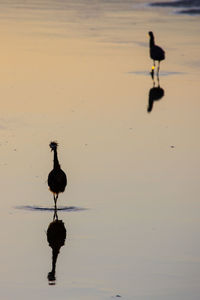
{"x": 78, "y": 72}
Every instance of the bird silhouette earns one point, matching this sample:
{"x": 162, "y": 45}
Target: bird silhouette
{"x": 57, "y": 179}
{"x": 155, "y": 94}
{"x": 56, "y": 236}
{"x": 156, "y": 53}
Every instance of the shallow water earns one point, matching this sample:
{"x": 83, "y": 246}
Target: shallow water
{"x": 191, "y": 7}
{"x": 78, "y": 73}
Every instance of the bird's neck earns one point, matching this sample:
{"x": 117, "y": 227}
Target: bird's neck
{"x": 56, "y": 164}
{"x": 151, "y": 42}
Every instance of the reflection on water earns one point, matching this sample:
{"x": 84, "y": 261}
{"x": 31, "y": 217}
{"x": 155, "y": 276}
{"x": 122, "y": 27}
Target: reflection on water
{"x": 42, "y": 208}
{"x": 57, "y": 179}
{"x": 155, "y": 93}
{"x": 56, "y": 235}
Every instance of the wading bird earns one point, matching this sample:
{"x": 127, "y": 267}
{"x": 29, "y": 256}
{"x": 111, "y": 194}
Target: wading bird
{"x": 156, "y": 53}
{"x": 57, "y": 179}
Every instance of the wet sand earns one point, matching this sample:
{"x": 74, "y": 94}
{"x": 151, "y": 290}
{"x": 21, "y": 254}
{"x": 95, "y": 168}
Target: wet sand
{"x": 78, "y": 73}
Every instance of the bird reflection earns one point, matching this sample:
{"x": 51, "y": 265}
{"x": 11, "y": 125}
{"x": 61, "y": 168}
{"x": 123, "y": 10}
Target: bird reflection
{"x": 155, "y": 93}
{"x": 57, "y": 179}
{"x": 56, "y": 235}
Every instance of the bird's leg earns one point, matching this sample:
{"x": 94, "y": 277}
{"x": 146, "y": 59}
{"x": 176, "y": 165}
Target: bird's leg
{"x": 152, "y": 76}
{"x": 158, "y": 78}
{"x": 55, "y": 216}
{"x": 152, "y": 70}
{"x": 55, "y": 207}
{"x": 55, "y": 197}
{"x": 158, "y": 69}
{"x": 152, "y": 73}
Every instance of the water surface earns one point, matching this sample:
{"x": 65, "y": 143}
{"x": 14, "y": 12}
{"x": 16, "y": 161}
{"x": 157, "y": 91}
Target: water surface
{"x": 78, "y": 73}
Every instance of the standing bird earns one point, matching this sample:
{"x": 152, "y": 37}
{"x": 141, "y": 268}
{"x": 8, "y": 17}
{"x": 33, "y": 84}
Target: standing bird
{"x": 156, "y": 53}
{"x": 57, "y": 179}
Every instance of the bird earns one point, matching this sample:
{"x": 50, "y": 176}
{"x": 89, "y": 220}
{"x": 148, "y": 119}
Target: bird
{"x": 156, "y": 53}
{"x": 57, "y": 179}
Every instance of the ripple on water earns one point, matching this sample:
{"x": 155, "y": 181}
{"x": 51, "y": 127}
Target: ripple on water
{"x": 162, "y": 73}
{"x": 41, "y": 208}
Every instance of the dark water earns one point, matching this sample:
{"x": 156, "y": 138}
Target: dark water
{"x": 191, "y": 7}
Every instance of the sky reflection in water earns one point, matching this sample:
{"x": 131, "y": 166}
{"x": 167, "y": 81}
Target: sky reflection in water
{"x": 69, "y": 72}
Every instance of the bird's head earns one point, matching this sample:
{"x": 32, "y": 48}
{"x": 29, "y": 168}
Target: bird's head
{"x": 151, "y": 34}
{"x": 53, "y": 145}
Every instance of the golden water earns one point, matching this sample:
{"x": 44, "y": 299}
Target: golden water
{"x": 78, "y": 72}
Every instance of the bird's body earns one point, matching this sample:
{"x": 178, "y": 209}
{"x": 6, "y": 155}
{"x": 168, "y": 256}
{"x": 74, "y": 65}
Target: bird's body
{"x": 156, "y": 52}
{"x": 57, "y": 179}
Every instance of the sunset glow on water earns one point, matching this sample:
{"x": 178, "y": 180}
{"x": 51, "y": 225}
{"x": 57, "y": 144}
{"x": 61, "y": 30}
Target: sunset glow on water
{"x": 78, "y": 73}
